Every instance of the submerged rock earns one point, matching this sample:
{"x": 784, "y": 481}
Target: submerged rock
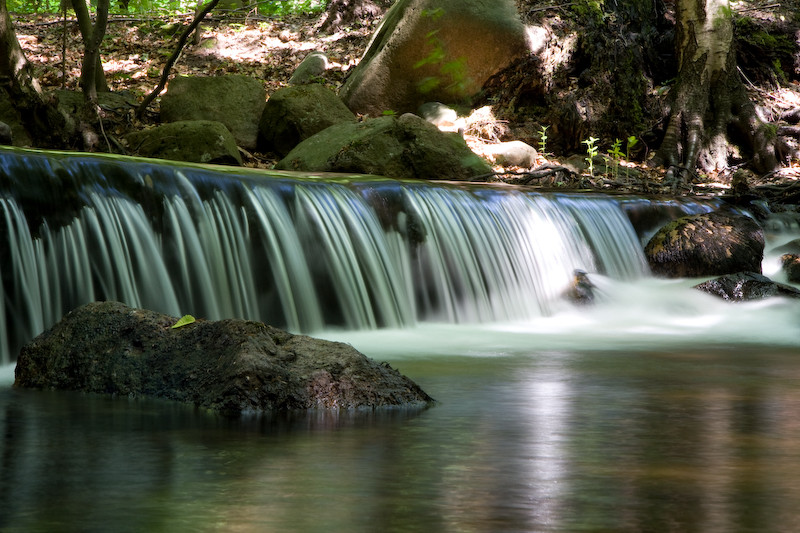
{"x": 743, "y": 286}
{"x": 710, "y": 244}
{"x": 230, "y": 366}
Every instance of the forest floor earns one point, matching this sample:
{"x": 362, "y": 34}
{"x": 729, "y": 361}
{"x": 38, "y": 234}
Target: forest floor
{"x": 136, "y": 49}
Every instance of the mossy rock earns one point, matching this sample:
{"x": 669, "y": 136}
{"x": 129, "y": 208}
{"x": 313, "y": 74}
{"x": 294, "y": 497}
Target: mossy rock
{"x": 192, "y": 141}
{"x": 293, "y": 114}
{"x": 709, "y": 244}
{"x": 235, "y": 100}
{"x": 405, "y": 147}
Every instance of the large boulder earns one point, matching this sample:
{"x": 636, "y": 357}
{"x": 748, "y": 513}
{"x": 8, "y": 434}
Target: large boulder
{"x": 743, "y": 286}
{"x": 230, "y": 366}
{"x": 709, "y": 244}
{"x": 192, "y": 141}
{"x": 293, "y": 114}
{"x": 434, "y": 50}
{"x": 235, "y": 100}
{"x": 405, "y": 147}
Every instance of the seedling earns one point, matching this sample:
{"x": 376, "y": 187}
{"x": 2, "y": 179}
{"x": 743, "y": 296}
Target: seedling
{"x": 632, "y": 140}
{"x": 616, "y": 155}
{"x": 543, "y": 140}
{"x": 591, "y": 151}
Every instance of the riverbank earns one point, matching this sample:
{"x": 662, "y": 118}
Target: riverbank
{"x": 269, "y": 49}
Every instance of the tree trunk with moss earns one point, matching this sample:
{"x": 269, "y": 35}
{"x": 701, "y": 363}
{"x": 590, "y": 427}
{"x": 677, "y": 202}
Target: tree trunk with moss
{"x": 710, "y": 109}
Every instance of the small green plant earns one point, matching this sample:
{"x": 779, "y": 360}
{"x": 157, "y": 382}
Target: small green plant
{"x": 591, "y": 151}
{"x": 543, "y": 140}
{"x": 389, "y": 113}
{"x": 632, "y": 141}
{"x": 616, "y": 155}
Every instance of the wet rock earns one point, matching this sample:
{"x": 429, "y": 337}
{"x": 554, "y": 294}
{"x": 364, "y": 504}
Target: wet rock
{"x": 192, "y": 141}
{"x": 581, "y": 292}
{"x": 426, "y": 50}
{"x": 743, "y": 286}
{"x": 293, "y": 114}
{"x": 235, "y": 100}
{"x": 405, "y": 147}
{"x": 791, "y": 265}
{"x": 710, "y": 244}
{"x": 230, "y": 366}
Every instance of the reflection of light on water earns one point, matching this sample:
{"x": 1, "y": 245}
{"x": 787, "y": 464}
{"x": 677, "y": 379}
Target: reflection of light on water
{"x": 547, "y": 412}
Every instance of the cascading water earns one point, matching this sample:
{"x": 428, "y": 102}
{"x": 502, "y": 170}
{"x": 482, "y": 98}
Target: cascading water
{"x": 301, "y": 253}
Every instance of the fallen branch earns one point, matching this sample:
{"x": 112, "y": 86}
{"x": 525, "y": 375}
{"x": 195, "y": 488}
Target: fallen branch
{"x": 543, "y": 171}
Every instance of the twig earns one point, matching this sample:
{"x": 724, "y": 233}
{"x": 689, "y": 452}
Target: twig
{"x": 174, "y": 57}
{"x": 537, "y": 173}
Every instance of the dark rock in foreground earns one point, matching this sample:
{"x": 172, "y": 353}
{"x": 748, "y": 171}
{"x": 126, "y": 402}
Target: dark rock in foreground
{"x": 744, "y": 286}
{"x": 710, "y": 244}
{"x": 231, "y": 366}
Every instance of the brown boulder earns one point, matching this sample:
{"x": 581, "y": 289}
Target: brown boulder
{"x": 426, "y": 50}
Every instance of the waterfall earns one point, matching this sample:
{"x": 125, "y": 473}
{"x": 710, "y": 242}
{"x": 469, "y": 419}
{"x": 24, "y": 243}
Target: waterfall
{"x": 299, "y": 252}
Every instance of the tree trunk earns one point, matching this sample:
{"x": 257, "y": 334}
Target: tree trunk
{"x": 343, "y": 13}
{"x": 14, "y": 67}
{"x": 24, "y": 92}
{"x": 92, "y": 72}
{"x": 710, "y": 108}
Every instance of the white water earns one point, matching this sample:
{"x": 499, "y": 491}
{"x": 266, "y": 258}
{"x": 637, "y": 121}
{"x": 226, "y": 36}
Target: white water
{"x": 394, "y": 268}
{"x": 644, "y": 315}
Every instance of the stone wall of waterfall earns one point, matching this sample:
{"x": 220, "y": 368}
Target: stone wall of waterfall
{"x": 298, "y": 252}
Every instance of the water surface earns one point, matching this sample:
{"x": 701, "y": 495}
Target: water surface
{"x": 546, "y": 440}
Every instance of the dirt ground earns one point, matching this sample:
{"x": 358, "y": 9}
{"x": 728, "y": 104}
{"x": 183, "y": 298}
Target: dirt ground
{"x": 136, "y": 49}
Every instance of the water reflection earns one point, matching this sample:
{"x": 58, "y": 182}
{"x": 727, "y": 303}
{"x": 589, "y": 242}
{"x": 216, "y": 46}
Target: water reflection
{"x": 550, "y": 441}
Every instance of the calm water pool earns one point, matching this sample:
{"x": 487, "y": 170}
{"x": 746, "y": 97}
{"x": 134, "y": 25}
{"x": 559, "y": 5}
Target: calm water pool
{"x": 662, "y": 440}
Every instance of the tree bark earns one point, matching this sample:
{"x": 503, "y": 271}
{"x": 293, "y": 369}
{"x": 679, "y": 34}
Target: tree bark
{"x": 342, "y": 13}
{"x": 93, "y": 78}
{"x": 14, "y": 67}
{"x": 709, "y": 107}
{"x": 17, "y": 80}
